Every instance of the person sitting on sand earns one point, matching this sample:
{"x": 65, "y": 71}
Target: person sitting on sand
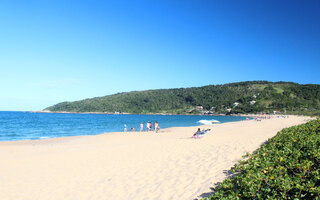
{"x": 197, "y": 133}
{"x": 203, "y": 132}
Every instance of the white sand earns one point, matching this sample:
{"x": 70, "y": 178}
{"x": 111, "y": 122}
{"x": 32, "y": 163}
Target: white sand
{"x": 167, "y": 165}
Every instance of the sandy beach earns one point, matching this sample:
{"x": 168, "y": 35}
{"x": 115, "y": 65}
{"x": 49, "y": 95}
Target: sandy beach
{"x": 161, "y": 166}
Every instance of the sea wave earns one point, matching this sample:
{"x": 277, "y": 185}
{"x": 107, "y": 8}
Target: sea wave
{"x": 208, "y": 122}
{"x": 44, "y": 137}
{"x": 205, "y": 122}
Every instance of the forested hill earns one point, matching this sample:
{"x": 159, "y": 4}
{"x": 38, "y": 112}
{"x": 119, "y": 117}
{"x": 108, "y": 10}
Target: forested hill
{"x": 242, "y": 97}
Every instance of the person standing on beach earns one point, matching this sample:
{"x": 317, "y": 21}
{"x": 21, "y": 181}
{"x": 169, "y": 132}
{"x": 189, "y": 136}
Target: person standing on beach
{"x": 148, "y": 126}
{"x": 156, "y": 127}
{"x": 141, "y": 126}
{"x": 125, "y": 128}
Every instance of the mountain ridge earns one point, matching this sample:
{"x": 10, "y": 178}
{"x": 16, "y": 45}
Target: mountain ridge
{"x": 239, "y": 97}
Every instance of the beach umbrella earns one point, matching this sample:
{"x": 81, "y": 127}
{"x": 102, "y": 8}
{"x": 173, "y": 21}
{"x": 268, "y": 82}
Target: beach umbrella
{"x": 215, "y": 121}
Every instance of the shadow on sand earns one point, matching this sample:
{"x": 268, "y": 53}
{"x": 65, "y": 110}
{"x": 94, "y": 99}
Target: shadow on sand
{"x": 228, "y": 173}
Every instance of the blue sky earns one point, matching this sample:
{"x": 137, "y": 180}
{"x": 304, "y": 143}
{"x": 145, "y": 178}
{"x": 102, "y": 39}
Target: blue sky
{"x": 54, "y": 51}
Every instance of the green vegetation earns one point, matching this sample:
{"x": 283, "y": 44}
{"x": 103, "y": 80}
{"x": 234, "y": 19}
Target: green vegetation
{"x": 253, "y": 97}
{"x": 286, "y": 167}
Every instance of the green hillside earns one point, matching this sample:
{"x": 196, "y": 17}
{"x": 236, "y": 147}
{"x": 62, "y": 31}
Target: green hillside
{"x": 242, "y": 97}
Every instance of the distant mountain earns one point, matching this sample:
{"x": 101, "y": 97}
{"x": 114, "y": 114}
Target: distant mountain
{"x": 242, "y": 97}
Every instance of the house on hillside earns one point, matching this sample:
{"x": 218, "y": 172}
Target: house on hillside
{"x": 252, "y": 102}
{"x": 213, "y": 108}
{"x": 235, "y": 104}
{"x": 276, "y": 112}
{"x": 200, "y": 108}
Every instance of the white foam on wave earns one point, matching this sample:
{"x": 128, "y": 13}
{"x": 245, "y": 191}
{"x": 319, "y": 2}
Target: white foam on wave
{"x": 205, "y": 122}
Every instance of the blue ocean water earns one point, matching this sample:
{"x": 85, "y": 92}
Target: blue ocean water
{"x": 33, "y": 126}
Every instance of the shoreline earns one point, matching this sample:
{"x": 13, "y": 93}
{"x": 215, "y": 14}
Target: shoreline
{"x": 123, "y": 113}
{"x": 118, "y": 165}
{"x": 163, "y": 130}
{"x": 111, "y": 131}
{"x": 200, "y": 125}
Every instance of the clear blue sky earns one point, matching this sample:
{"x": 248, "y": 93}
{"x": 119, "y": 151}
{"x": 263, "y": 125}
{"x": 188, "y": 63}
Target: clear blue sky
{"x": 53, "y": 51}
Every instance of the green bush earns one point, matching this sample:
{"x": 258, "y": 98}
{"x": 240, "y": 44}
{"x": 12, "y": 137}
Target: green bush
{"x": 286, "y": 167}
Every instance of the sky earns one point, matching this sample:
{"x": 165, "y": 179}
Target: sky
{"x": 55, "y": 51}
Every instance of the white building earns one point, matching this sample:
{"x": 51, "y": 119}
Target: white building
{"x": 199, "y": 107}
{"x": 235, "y": 104}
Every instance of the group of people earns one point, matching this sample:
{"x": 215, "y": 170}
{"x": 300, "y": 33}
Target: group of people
{"x": 262, "y": 117}
{"x": 149, "y": 126}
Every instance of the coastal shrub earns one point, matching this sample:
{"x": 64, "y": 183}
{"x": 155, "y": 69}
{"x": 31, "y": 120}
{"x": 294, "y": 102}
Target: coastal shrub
{"x": 287, "y": 166}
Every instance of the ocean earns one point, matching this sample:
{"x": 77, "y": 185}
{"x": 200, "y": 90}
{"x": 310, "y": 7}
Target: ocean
{"x": 33, "y": 126}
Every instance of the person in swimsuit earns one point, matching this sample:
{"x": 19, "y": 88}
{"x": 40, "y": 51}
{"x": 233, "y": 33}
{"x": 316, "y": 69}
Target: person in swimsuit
{"x": 156, "y": 127}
